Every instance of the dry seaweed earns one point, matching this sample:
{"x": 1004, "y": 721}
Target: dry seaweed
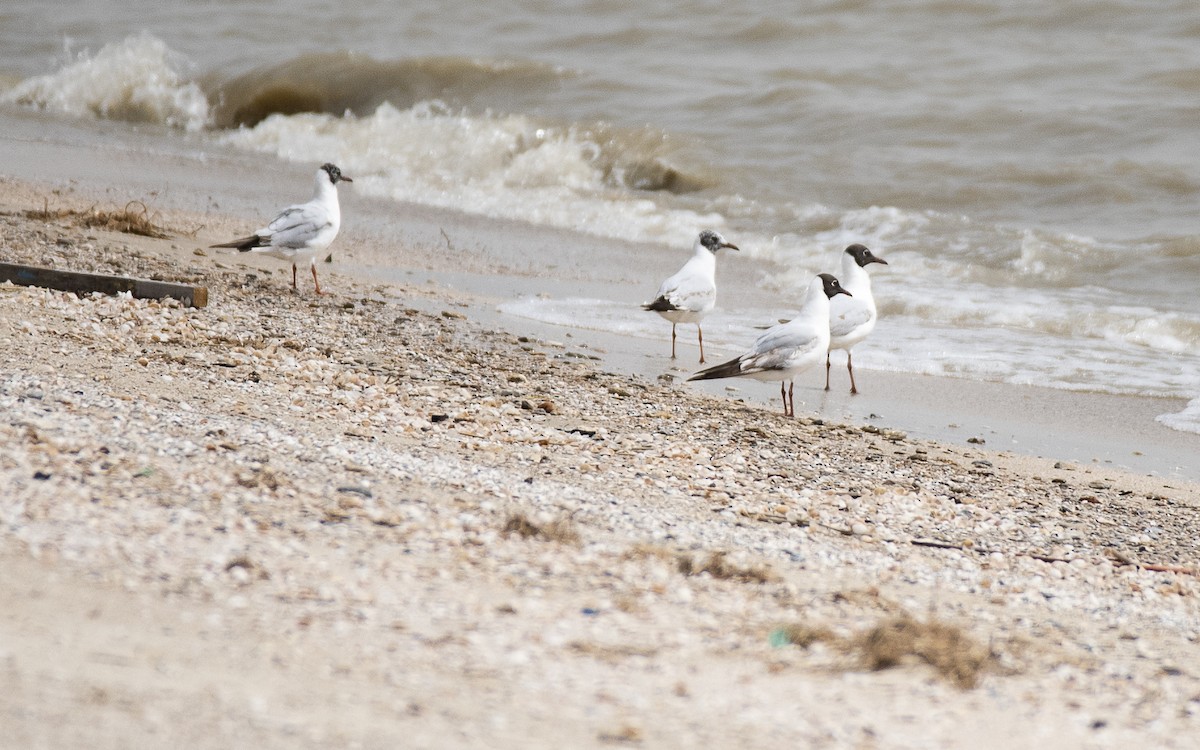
{"x": 560, "y": 530}
{"x": 134, "y": 218}
{"x": 946, "y": 648}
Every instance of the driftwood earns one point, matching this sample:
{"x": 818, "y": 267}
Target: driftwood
{"x": 85, "y": 283}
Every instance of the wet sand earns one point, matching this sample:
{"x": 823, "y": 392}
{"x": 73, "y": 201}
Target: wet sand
{"x": 1093, "y": 430}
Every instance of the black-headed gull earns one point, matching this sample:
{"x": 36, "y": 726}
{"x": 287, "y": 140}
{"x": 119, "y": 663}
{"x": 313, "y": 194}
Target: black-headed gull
{"x": 852, "y": 318}
{"x": 302, "y": 231}
{"x": 691, "y": 293}
{"x": 789, "y": 348}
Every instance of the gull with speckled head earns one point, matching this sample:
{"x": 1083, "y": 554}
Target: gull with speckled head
{"x": 301, "y": 231}
{"x": 787, "y": 349}
{"x": 853, "y": 317}
{"x": 691, "y": 293}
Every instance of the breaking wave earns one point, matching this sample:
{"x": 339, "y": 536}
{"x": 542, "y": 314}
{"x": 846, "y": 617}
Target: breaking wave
{"x": 509, "y": 166}
{"x": 340, "y": 82}
{"x": 137, "y": 80}
{"x": 446, "y": 108}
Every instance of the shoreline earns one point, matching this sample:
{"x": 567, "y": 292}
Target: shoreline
{"x": 374, "y": 517}
{"x": 1094, "y": 431}
{"x": 489, "y": 262}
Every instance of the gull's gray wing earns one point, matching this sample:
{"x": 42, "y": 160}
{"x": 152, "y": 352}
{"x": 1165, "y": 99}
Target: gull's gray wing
{"x": 779, "y": 347}
{"x": 297, "y": 225}
{"x": 846, "y": 322}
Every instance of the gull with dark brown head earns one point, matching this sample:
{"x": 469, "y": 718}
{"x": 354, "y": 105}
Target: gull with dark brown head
{"x": 300, "y": 232}
{"x": 691, "y": 293}
{"x": 787, "y": 349}
{"x": 853, "y": 317}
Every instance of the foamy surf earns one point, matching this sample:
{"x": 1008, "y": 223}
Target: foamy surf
{"x": 500, "y": 165}
{"x": 914, "y": 344}
{"x": 137, "y": 80}
{"x": 1187, "y": 420}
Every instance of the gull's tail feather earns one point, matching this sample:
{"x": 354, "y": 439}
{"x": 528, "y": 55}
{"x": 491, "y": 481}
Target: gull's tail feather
{"x": 246, "y": 243}
{"x": 729, "y": 369}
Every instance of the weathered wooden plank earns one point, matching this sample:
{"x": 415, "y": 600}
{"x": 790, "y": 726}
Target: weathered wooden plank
{"x": 85, "y": 283}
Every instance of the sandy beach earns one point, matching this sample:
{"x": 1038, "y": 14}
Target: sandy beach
{"x": 390, "y": 516}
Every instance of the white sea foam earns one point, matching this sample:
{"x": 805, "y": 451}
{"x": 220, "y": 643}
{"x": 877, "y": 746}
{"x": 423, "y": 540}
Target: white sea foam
{"x": 504, "y": 166}
{"x": 974, "y": 348}
{"x": 1187, "y": 420}
{"x": 136, "y": 80}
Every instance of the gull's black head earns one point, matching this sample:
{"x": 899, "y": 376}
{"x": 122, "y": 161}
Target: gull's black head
{"x": 832, "y": 285}
{"x": 862, "y": 256}
{"x": 335, "y": 174}
{"x": 714, "y": 241}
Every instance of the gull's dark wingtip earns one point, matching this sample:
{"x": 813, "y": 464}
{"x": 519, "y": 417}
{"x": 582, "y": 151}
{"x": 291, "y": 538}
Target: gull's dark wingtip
{"x": 244, "y": 244}
{"x": 728, "y": 369}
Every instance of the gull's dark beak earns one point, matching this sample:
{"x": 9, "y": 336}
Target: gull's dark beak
{"x": 731, "y": 246}
{"x": 346, "y": 179}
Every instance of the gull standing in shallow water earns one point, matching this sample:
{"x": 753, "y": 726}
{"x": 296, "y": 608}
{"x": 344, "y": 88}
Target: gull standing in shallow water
{"x": 789, "y": 348}
{"x": 691, "y": 293}
{"x": 302, "y": 231}
{"x": 852, "y": 318}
